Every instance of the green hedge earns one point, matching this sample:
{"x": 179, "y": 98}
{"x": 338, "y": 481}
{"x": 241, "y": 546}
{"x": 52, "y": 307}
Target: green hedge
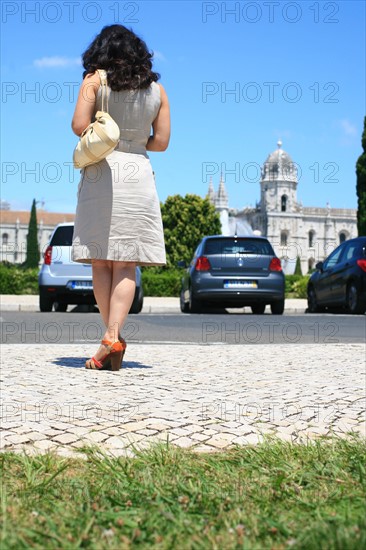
{"x": 164, "y": 283}
{"x": 15, "y": 279}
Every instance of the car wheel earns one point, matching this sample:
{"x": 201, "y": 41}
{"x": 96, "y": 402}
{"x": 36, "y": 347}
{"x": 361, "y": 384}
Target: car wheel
{"x": 45, "y": 302}
{"x": 277, "y": 308}
{"x": 195, "y": 306}
{"x": 184, "y": 306}
{"x": 354, "y": 303}
{"x": 258, "y": 309}
{"x": 60, "y": 306}
{"x": 312, "y": 301}
{"x": 138, "y": 302}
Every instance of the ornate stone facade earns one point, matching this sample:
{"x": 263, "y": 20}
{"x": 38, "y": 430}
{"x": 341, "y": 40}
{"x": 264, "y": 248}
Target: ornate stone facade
{"x": 294, "y": 230}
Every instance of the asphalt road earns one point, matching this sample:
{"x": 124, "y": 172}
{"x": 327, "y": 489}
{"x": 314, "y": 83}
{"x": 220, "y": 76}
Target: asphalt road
{"x": 75, "y": 327}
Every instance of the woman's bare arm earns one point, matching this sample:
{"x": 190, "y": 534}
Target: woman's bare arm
{"x": 159, "y": 141}
{"x": 85, "y": 105}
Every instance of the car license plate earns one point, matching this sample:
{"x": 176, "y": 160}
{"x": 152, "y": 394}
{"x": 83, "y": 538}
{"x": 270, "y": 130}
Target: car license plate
{"x": 240, "y": 284}
{"x": 80, "y": 285}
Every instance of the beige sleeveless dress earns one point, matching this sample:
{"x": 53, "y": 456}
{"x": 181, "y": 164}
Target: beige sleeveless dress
{"x": 118, "y": 213}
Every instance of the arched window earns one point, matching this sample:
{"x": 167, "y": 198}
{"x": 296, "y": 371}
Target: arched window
{"x": 5, "y": 238}
{"x": 342, "y": 238}
{"x": 311, "y": 238}
{"x": 311, "y": 263}
{"x": 283, "y": 203}
{"x": 283, "y": 238}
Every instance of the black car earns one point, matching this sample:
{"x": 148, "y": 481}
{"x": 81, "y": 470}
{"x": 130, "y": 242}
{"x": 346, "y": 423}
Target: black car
{"x": 232, "y": 271}
{"x": 340, "y": 281}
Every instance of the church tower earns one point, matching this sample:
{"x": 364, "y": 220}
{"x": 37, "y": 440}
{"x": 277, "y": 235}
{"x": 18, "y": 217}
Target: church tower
{"x": 282, "y": 218}
{"x": 221, "y": 203}
{"x": 211, "y": 192}
{"x": 222, "y": 207}
{"x": 279, "y": 182}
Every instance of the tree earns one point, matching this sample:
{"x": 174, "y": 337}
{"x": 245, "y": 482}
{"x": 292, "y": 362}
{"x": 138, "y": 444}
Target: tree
{"x": 186, "y": 220}
{"x": 33, "y": 254}
{"x": 298, "y": 270}
{"x": 361, "y": 185}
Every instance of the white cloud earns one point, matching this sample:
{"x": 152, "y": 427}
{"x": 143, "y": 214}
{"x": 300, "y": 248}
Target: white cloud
{"x": 159, "y": 56}
{"x": 56, "y": 61}
{"x": 348, "y": 128}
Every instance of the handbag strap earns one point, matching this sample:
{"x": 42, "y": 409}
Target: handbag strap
{"x": 103, "y": 81}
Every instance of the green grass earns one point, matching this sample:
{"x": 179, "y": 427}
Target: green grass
{"x": 276, "y": 495}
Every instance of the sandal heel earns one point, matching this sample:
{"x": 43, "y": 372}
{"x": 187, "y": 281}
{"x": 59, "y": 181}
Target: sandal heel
{"x": 124, "y": 346}
{"x": 116, "y": 360}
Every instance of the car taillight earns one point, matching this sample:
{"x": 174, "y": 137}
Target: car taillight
{"x": 362, "y": 264}
{"x": 203, "y": 264}
{"x": 275, "y": 265}
{"x": 47, "y": 255}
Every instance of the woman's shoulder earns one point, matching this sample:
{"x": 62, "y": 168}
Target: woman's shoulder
{"x": 92, "y": 80}
{"x": 92, "y": 77}
{"x": 159, "y": 89}
{"x": 160, "y": 86}
{"x": 162, "y": 92}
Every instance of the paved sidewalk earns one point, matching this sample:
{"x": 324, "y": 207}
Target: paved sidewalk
{"x": 204, "y": 397}
{"x": 12, "y": 302}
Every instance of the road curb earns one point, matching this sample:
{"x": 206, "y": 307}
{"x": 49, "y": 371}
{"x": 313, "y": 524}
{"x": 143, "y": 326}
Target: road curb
{"x": 148, "y": 310}
{"x": 152, "y": 305}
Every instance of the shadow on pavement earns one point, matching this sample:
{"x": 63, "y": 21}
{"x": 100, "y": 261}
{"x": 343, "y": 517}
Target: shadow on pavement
{"x": 79, "y": 363}
{"x": 73, "y": 362}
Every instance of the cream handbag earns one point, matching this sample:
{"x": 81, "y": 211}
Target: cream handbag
{"x": 101, "y": 137}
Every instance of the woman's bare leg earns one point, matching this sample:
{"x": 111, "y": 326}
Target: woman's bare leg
{"x": 114, "y": 286}
{"x": 102, "y": 284}
{"x": 121, "y": 297}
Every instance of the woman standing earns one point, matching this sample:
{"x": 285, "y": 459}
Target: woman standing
{"x": 118, "y": 220}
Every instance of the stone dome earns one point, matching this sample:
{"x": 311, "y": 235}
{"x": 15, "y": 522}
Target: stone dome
{"x": 279, "y": 165}
{"x": 279, "y": 155}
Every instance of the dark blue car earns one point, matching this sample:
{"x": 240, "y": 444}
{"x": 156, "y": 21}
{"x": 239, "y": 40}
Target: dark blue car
{"x": 229, "y": 272}
{"x": 340, "y": 281}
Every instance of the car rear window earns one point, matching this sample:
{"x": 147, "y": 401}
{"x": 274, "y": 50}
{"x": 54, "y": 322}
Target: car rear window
{"x": 63, "y": 236}
{"x": 238, "y": 246}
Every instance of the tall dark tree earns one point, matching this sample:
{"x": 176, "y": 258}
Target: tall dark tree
{"x": 361, "y": 185}
{"x": 186, "y": 220}
{"x": 33, "y": 255}
{"x": 298, "y": 270}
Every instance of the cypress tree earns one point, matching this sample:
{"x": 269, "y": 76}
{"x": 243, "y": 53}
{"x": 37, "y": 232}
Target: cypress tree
{"x": 361, "y": 186}
{"x": 298, "y": 270}
{"x": 33, "y": 254}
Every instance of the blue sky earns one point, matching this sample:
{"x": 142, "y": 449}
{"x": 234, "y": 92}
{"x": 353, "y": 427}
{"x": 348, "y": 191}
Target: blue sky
{"x": 296, "y": 71}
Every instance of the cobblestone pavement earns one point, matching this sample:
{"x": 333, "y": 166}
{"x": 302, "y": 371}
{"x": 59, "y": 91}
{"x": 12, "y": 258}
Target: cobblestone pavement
{"x": 205, "y": 397}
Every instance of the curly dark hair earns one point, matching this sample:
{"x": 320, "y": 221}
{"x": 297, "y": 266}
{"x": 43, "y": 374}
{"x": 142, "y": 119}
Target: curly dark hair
{"x": 123, "y": 55}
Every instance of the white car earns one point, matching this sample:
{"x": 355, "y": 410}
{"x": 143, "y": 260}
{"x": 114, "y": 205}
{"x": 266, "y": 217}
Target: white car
{"x": 62, "y": 281}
